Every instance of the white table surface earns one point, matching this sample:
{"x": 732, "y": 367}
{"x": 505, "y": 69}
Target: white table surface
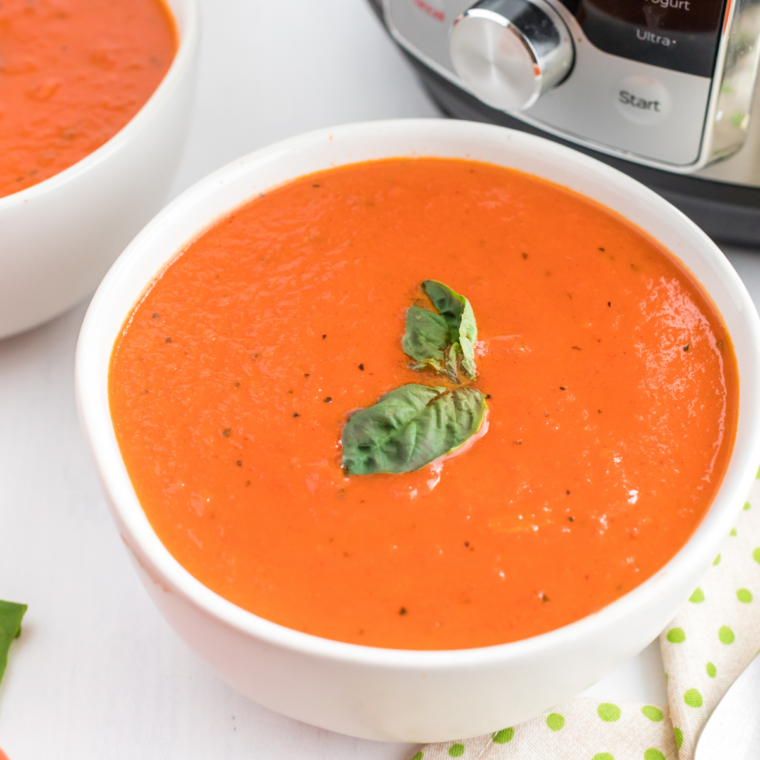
{"x": 97, "y": 673}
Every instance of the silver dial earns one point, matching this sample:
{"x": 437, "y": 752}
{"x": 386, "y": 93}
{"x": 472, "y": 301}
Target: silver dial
{"x": 510, "y": 52}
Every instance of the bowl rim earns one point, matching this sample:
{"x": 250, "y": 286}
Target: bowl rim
{"x": 183, "y": 59}
{"x": 692, "y": 556}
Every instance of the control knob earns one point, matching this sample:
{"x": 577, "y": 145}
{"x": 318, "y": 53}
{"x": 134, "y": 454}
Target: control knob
{"x": 510, "y": 52}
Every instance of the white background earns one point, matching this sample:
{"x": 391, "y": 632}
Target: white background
{"x": 97, "y": 673}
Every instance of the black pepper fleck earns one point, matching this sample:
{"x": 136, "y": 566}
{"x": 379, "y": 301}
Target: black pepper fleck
{"x": 609, "y": 303}
{"x": 568, "y": 493}
{"x": 155, "y": 316}
{"x": 601, "y": 249}
{"x": 305, "y": 374}
{"x": 168, "y": 340}
{"x": 239, "y": 463}
{"x": 488, "y": 395}
{"x": 571, "y": 519}
{"x": 226, "y": 432}
{"x": 402, "y": 611}
{"x": 361, "y": 367}
{"x": 296, "y": 414}
{"x": 315, "y": 185}
{"x": 686, "y": 347}
{"x": 562, "y": 388}
{"x": 328, "y": 399}
{"x": 576, "y": 348}
{"x": 466, "y": 543}
{"x": 525, "y": 255}
{"x": 323, "y": 337}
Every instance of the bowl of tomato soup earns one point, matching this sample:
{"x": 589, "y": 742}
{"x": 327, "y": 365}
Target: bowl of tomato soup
{"x": 95, "y": 106}
{"x": 415, "y": 429}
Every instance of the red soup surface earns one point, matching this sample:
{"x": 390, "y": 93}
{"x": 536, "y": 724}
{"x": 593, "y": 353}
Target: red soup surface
{"x": 72, "y": 74}
{"x": 611, "y": 381}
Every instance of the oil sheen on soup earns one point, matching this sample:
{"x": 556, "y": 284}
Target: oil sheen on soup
{"x": 609, "y": 379}
{"x": 72, "y": 74}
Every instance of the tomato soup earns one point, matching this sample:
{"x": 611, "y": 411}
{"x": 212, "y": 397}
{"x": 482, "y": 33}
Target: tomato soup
{"x": 609, "y": 377}
{"x": 72, "y": 74}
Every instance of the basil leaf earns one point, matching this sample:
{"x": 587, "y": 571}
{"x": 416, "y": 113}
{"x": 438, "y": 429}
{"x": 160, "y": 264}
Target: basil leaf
{"x": 468, "y": 334}
{"x": 10, "y": 628}
{"x": 442, "y": 340}
{"x": 410, "y": 427}
{"x": 449, "y": 303}
{"x": 459, "y": 316}
{"x": 452, "y": 365}
{"x": 426, "y": 337}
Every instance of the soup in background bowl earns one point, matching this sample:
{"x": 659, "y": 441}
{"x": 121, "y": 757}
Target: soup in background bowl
{"x": 473, "y": 683}
{"x": 97, "y": 101}
{"x": 73, "y": 74}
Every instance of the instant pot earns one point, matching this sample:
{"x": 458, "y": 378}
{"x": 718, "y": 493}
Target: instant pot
{"x": 661, "y": 89}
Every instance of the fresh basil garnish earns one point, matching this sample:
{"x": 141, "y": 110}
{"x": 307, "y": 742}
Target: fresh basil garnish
{"x": 414, "y": 425}
{"x": 11, "y": 614}
{"x": 410, "y": 427}
{"x": 444, "y": 341}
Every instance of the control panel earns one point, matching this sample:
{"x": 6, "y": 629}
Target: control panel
{"x": 636, "y": 78}
{"x": 680, "y": 35}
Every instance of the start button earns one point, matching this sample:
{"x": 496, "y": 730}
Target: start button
{"x": 642, "y": 100}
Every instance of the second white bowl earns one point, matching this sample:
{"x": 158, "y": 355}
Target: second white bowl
{"x": 58, "y": 238}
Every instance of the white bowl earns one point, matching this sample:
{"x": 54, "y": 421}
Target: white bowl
{"x": 59, "y": 237}
{"x": 390, "y": 694}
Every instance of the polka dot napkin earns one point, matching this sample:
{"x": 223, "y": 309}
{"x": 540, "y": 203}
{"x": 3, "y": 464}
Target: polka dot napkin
{"x": 713, "y": 638}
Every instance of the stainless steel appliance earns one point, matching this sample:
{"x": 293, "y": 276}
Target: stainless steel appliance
{"x": 662, "y": 89}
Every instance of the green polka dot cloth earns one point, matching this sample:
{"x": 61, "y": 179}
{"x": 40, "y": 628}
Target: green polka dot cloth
{"x": 717, "y": 633}
{"x": 713, "y": 638}
{"x": 580, "y": 730}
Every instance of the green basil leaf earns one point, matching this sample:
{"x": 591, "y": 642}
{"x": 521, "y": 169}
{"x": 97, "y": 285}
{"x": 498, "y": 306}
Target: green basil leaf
{"x": 10, "y": 628}
{"x": 449, "y": 303}
{"x": 426, "y": 337}
{"x": 452, "y": 353}
{"x": 468, "y": 334}
{"x": 410, "y": 427}
{"x": 442, "y": 340}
